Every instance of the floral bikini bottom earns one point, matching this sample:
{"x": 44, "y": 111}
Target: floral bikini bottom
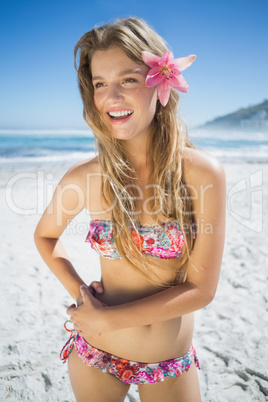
{"x": 128, "y": 371}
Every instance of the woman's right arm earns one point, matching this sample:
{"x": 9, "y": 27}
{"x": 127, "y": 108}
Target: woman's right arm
{"x": 68, "y": 200}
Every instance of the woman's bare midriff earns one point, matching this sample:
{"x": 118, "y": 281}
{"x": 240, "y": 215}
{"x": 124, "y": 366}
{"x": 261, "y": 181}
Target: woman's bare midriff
{"x": 150, "y": 343}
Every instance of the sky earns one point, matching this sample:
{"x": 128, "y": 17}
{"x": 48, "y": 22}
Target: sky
{"x": 38, "y": 82}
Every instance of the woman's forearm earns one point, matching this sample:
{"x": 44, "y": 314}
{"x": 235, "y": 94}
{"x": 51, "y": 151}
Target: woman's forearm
{"x": 165, "y": 305}
{"x": 56, "y": 258}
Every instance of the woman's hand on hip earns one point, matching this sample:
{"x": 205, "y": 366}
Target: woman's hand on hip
{"x": 96, "y": 287}
{"x": 87, "y": 316}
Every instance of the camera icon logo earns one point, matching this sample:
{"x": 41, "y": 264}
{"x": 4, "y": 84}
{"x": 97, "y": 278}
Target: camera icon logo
{"x": 247, "y": 192}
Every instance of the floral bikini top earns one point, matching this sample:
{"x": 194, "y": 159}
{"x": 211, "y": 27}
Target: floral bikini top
{"x": 155, "y": 241}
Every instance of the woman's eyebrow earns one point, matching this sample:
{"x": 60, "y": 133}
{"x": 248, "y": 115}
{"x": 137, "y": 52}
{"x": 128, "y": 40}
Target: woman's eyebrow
{"x": 129, "y": 71}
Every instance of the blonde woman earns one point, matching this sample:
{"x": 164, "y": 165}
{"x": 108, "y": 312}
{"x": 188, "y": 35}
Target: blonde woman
{"x": 158, "y": 222}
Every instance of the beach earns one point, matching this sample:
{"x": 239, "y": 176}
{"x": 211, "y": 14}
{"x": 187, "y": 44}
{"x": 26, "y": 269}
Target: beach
{"x": 230, "y": 333}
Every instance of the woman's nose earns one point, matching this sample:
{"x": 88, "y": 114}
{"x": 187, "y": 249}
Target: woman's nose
{"x": 114, "y": 92}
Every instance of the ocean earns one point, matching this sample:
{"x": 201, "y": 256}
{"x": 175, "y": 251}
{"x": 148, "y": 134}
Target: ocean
{"x": 30, "y": 147}
{"x": 233, "y": 146}
{"x": 44, "y": 146}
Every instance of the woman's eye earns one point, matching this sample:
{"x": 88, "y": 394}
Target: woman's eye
{"x": 98, "y": 85}
{"x": 129, "y": 80}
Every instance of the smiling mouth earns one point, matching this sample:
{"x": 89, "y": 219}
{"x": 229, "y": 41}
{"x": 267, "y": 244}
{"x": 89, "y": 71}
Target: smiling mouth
{"x": 124, "y": 114}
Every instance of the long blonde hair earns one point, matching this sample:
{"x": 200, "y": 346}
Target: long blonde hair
{"x": 170, "y": 193}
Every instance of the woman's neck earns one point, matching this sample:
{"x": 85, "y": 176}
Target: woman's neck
{"x": 136, "y": 151}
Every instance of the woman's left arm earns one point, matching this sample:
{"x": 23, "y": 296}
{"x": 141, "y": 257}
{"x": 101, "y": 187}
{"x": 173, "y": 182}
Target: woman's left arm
{"x": 206, "y": 178}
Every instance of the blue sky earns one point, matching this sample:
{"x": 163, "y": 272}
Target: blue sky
{"x": 38, "y": 84}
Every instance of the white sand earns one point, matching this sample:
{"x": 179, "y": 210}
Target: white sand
{"x": 230, "y": 335}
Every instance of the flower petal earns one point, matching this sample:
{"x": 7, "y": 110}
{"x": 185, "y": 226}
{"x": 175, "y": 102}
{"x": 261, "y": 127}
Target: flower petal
{"x": 154, "y": 71}
{"x": 167, "y": 58}
{"x": 173, "y": 69}
{"x": 179, "y": 82}
{"x": 164, "y": 92}
{"x": 154, "y": 77}
{"x": 150, "y": 59}
{"x": 184, "y": 62}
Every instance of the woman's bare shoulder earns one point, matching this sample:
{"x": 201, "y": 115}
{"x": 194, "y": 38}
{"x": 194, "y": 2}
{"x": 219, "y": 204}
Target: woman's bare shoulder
{"x": 80, "y": 172}
{"x": 90, "y": 165}
{"x": 200, "y": 166}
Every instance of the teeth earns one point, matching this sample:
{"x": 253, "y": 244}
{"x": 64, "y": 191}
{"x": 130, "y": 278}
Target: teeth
{"x": 122, "y": 113}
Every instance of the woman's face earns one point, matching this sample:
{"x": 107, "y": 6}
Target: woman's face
{"x": 120, "y": 93}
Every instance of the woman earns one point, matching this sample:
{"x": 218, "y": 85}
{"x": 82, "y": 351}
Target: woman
{"x": 158, "y": 222}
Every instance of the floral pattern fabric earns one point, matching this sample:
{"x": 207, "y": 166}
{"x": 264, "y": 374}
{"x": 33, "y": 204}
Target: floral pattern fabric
{"x": 128, "y": 371}
{"x": 155, "y": 241}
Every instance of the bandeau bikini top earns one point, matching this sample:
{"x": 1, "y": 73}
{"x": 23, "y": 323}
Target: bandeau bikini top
{"x": 155, "y": 241}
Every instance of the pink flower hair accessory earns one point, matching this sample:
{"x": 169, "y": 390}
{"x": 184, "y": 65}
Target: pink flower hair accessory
{"x": 166, "y": 73}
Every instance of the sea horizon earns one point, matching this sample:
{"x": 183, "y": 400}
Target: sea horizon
{"x": 35, "y": 146}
